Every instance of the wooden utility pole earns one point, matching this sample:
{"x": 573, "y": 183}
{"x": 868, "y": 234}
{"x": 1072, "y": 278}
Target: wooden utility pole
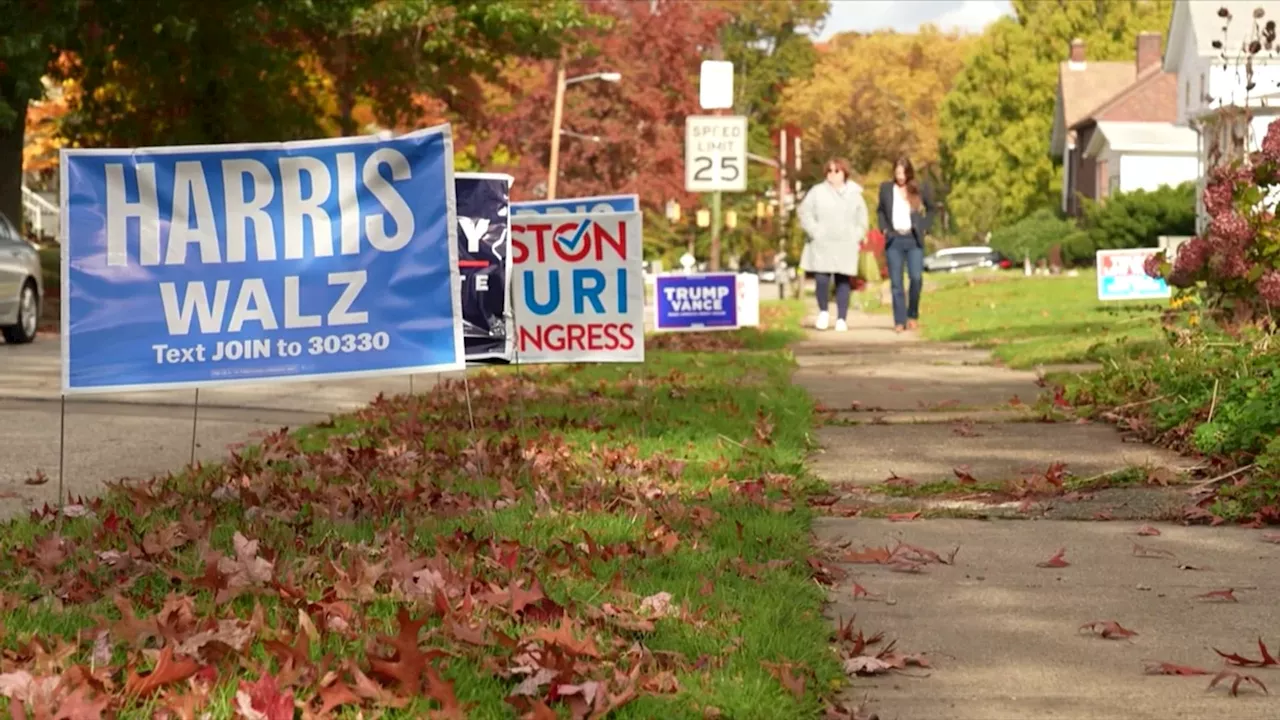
{"x": 553, "y": 173}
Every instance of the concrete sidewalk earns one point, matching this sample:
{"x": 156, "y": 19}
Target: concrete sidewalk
{"x": 1002, "y": 633}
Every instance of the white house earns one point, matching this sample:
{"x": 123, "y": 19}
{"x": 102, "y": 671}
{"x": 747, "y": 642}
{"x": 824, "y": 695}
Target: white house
{"x": 1114, "y": 126}
{"x": 1143, "y": 155}
{"x": 1208, "y": 53}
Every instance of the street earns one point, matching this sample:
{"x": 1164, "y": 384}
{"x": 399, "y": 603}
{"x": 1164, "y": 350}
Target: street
{"x": 141, "y": 434}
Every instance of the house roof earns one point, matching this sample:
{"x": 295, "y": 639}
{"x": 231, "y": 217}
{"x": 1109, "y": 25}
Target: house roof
{"x": 1152, "y": 97}
{"x": 1082, "y": 88}
{"x": 1197, "y": 21}
{"x": 1153, "y": 137}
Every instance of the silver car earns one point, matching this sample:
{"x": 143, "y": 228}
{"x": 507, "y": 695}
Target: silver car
{"x": 21, "y": 285}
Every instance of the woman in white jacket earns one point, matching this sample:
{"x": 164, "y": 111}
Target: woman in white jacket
{"x": 835, "y": 219}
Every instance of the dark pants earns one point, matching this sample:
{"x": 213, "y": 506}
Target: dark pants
{"x": 899, "y": 251}
{"x": 844, "y": 283}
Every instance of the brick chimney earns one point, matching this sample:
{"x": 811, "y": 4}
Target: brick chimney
{"x": 1077, "y": 51}
{"x": 1148, "y": 50}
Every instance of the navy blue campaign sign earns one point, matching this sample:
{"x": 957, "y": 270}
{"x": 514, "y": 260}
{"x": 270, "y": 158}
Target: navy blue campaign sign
{"x": 484, "y": 260}
{"x": 701, "y": 301}
{"x": 594, "y": 204}
{"x": 206, "y": 265}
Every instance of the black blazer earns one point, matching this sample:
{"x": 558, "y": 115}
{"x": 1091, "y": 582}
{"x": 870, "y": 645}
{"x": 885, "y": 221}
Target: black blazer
{"x": 921, "y": 220}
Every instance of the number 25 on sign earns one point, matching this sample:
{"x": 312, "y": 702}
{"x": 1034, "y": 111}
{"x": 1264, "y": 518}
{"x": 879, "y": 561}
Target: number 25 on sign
{"x": 715, "y": 153}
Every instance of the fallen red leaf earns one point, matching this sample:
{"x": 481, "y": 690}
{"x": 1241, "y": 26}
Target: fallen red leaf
{"x": 1236, "y": 680}
{"x": 964, "y": 476}
{"x": 1236, "y": 659}
{"x": 870, "y": 556}
{"x": 790, "y": 680}
{"x": 563, "y": 637}
{"x": 904, "y": 517}
{"x": 1148, "y": 530}
{"x": 1056, "y": 561}
{"x": 1165, "y": 668}
{"x": 441, "y": 691}
{"x": 1108, "y": 629}
{"x": 167, "y": 670}
{"x": 1271, "y": 537}
{"x": 336, "y": 695}
{"x": 76, "y": 706}
{"x": 263, "y": 700}
{"x": 1227, "y": 595}
{"x": 859, "y": 591}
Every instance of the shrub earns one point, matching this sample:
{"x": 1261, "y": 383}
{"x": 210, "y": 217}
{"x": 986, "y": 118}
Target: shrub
{"x": 1216, "y": 396}
{"x": 1032, "y": 236}
{"x": 1134, "y": 220}
{"x": 1234, "y": 263}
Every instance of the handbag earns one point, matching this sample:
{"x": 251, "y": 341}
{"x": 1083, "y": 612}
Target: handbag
{"x": 868, "y": 268}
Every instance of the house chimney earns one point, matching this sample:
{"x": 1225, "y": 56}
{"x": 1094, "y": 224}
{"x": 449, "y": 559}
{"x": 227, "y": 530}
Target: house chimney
{"x": 1148, "y": 50}
{"x": 1077, "y": 51}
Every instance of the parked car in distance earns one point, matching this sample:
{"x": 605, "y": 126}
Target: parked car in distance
{"x": 21, "y": 285}
{"x": 965, "y": 258}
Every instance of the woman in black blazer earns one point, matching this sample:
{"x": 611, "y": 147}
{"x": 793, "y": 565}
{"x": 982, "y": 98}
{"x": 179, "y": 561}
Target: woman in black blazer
{"x": 905, "y": 214}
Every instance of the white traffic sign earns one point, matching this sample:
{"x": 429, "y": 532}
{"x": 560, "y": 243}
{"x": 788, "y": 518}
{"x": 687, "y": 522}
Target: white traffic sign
{"x": 715, "y": 153}
{"x": 715, "y": 85}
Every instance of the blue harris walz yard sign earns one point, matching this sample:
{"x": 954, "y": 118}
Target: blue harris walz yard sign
{"x": 197, "y": 266}
{"x": 699, "y": 301}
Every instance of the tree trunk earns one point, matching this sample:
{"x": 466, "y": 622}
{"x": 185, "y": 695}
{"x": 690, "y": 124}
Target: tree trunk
{"x": 11, "y": 138}
{"x": 345, "y": 88}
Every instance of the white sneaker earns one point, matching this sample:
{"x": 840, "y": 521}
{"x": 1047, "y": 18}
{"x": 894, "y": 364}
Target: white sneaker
{"x": 823, "y": 320}
{"x": 841, "y": 326}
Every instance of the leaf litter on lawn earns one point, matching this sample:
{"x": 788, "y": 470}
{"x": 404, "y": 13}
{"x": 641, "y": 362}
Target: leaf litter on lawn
{"x": 389, "y": 561}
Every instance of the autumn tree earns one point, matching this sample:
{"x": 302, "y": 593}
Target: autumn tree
{"x": 995, "y": 123}
{"x": 191, "y": 72}
{"x": 405, "y": 57}
{"x": 33, "y": 32}
{"x": 874, "y": 97}
{"x": 658, "y": 47}
{"x": 769, "y": 46}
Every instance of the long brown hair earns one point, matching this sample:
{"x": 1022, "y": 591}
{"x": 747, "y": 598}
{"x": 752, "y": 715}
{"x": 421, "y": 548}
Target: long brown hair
{"x": 913, "y": 187}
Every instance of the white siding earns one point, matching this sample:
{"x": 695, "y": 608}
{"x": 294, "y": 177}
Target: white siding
{"x": 1148, "y": 171}
{"x": 1227, "y": 83}
{"x": 1193, "y": 73}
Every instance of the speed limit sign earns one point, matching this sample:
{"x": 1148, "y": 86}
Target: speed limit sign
{"x": 715, "y": 153}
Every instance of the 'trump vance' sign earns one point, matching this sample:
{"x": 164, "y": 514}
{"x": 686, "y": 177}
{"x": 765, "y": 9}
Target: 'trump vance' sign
{"x": 1121, "y": 276}
{"x": 191, "y": 266}
{"x": 704, "y": 301}
{"x": 578, "y": 288}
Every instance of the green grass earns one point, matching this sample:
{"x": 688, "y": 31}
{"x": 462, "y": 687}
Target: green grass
{"x": 1037, "y": 320}
{"x": 604, "y": 483}
{"x": 1214, "y": 395}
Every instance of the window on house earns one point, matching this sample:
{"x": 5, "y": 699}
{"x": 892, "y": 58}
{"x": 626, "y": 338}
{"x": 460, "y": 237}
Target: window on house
{"x": 1202, "y": 95}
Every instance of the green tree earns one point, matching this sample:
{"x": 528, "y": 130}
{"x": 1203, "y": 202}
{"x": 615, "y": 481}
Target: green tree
{"x": 33, "y": 33}
{"x": 769, "y": 46}
{"x": 872, "y": 98}
{"x": 191, "y": 71}
{"x": 395, "y": 52}
{"x": 996, "y": 121}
